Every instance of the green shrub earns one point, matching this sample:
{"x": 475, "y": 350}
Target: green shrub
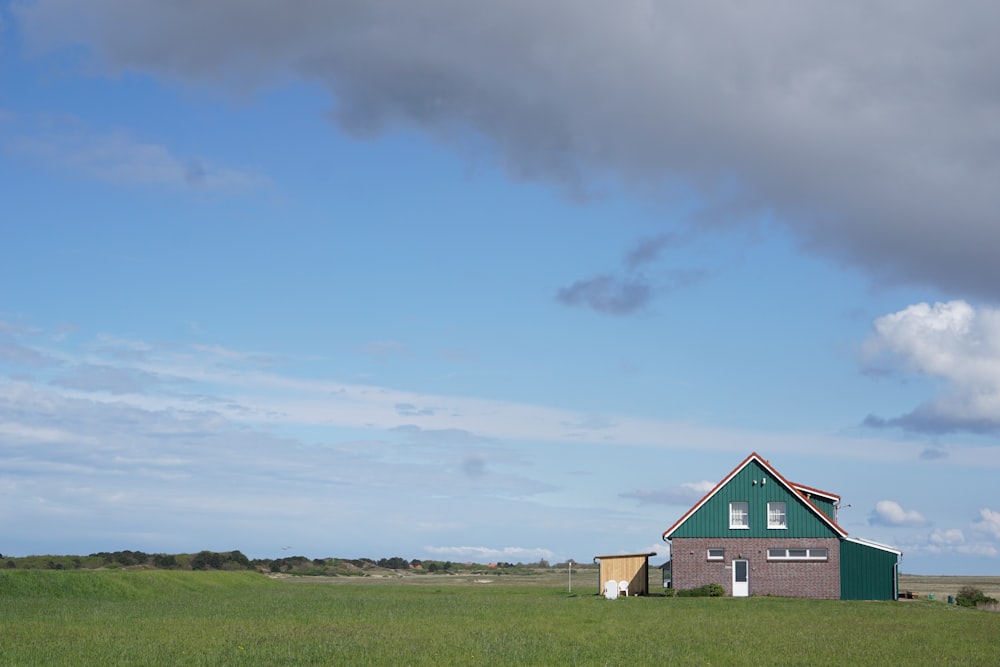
{"x": 970, "y": 596}
{"x": 706, "y": 591}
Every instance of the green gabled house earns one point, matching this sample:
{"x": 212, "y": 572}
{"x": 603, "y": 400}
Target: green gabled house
{"x": 757, "y": 533}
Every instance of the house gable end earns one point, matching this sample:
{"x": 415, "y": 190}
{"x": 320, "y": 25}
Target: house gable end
{"x": 756, "y": 483}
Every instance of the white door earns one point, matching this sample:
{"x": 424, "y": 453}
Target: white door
{"x": 741, "y": 579}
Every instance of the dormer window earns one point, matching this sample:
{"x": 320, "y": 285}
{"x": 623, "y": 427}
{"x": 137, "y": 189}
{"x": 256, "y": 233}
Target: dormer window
{"x": 739, "y": 515}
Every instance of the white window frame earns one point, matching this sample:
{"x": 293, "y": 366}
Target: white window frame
{"x": 773, "y": 514}
{"x": 739, "y": 509}
{"x": 720, "y": 550}
{"x": 799, "y": 553}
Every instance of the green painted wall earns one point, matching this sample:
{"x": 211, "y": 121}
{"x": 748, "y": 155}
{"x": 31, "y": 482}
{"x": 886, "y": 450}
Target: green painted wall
{"x": 866, "y": 573}
{"x": 825, "y": 506}
{"x": 712, "y": 519}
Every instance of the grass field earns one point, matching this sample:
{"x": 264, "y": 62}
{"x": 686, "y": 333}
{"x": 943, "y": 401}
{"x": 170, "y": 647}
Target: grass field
{"x": 115, "y": 617}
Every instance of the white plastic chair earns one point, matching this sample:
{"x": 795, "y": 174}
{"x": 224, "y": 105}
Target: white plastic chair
{"x": 623, "y": 587}
{"x": 611, "y": 589}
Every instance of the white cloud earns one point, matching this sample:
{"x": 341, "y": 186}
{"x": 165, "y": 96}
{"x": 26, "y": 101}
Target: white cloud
{"x": 14, "y": 433}
{"x": 890, "y": 513}
{"x": 951, "y": 342}
{"x": 116, "y": 157}
{"x": 949, "y": 537}
{"x": 698, "y": 489}
{"x": 953, "y": 540}
{"x": 989, "y": 522}
{"x": 222, "y": 419}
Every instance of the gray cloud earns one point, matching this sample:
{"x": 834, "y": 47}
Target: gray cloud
{"x": 607, "y": 294}
{"x": 410, "y": 410}
{"x": 14, "y": 353}
{"x": 933, "y": 454}
{"x": 112, "y": 379}
{"x": 474, "y": 466}
{"x": 614, "y": 295}
{"x": 443, "y": 436}
{"x": 685, "y": 494}
{"x": 928, "y": 419}
{"x": 870, "y": 130}
{"x": 648, "y": 250}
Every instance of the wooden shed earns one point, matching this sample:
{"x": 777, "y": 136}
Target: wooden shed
{"x": 633, "y": 568}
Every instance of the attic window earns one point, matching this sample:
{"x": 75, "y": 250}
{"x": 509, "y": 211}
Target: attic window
{"x": 776, "y": 515}
{"x": 739, "y": 515}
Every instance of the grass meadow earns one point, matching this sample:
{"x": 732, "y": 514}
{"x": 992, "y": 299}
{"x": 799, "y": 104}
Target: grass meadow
{"x": 156, "y": 617}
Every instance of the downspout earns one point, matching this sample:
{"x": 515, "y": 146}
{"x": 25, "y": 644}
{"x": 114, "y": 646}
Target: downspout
{"x": 895, "y": 579}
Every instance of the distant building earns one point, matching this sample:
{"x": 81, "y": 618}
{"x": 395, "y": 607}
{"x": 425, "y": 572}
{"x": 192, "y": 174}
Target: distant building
{"x": 756, "y": 533}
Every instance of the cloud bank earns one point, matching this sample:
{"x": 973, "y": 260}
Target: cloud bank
{"x": 871, "y": 131}
{"x": 952, "y": 343}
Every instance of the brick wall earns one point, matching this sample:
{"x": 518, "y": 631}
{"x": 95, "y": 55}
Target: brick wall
{"x": 812, "y": 579}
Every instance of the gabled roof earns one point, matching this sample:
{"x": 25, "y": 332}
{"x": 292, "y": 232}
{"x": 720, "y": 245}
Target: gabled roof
{"x": 797, "y": 490}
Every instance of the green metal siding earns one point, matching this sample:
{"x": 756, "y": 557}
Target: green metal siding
{"x": 866, "y": 573}
{"x": 825, "y": 506}
{"x": 712, "y": 518}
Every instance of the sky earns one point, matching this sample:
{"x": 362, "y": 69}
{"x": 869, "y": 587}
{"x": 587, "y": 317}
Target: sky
{"x": 494, "y": 281}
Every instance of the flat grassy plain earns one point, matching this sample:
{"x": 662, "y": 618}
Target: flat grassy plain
{"x": 115, "y": 617}
{"x": 943, "y": 586}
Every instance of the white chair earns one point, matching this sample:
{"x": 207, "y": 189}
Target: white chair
{"x": 623, "y": 587}
{"x": 611, "y": 589}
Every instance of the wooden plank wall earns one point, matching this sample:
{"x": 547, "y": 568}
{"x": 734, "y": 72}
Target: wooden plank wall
{"x": 633, "y": 569}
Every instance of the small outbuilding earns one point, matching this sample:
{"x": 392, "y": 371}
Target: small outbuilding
{"x": 630, "y": 568}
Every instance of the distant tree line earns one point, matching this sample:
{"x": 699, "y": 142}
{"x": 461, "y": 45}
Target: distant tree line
{"x": 236, "y": 560}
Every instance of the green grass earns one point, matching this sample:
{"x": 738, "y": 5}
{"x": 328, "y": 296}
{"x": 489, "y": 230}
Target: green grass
{"x": 114, "y": 617}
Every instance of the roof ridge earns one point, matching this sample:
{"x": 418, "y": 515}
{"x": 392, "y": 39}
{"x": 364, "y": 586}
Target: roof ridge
{"x": 754, "y": 456}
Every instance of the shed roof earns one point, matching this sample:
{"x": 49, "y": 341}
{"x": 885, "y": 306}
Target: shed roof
{"x": 798, "y": 490}
{"x": 875, "y": 545}
{"x": 642, "y": 555}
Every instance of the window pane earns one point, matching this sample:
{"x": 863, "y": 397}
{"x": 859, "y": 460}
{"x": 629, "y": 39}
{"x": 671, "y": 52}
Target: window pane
{"x": 776, "y": 515}
{"x": 817, "y": 553}
{"x": 797, "y": 553}
{"x": 739, "y": 515}
{"x": 716, "y": 554}
{"x": 775, "y": 553}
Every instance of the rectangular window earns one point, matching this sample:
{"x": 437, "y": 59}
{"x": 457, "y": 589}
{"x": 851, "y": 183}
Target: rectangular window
{"x": 716, "y": 554}
{"x": 797, "y": 554}
{"x": 739, "y": 515}
{"x": 776, "y": 515}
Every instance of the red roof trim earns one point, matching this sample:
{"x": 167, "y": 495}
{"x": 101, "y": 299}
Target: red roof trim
{"x": 708, "y": 495}
{"x": 792, "y": 488}
{"x": 816, "y": 492}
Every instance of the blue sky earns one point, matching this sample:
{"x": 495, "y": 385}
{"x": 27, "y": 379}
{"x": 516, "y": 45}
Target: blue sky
{"x": 493, "y": 281}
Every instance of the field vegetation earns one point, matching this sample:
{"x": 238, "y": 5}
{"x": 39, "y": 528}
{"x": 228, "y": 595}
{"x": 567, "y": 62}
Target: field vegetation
{"x": 235, "y": 560}
{"x": 220, "y": 617}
